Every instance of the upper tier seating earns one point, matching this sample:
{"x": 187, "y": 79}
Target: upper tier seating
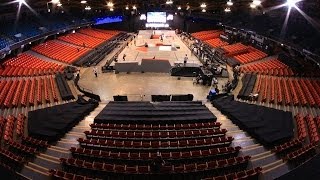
{"x": 112, "y": 32}
{"x": 28, "y": 65}
{"x": 61, "y": 52}
{"x": 207, "y": 35}
{"x": 81, "y": 40}
{"x": 272, "y": 67}
{"x": 216, "y": 42}
{"x": 95, "y": 33}
{"x": 251, "y": 56}
{"x": 235, "y": 49}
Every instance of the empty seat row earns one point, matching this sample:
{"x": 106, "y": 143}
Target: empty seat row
{"x": 12, "y": 160}
{"x": 109, "y": 134}
{"x": 58, "y": 174}
{"x": 301, "y": 154}
{"x": 20, "y": 124}
{"x": 288, "y": 146}
{"x": 143, "y": 156}
{"x": 183, "y": 168}
{"x": 81, "y": 40}
{"x": 22, "y": 149}
{"x": 301, "y": 127}
{"x": 102, "y": 144}
{"x": 9, "y": 127}
{"x": 39, "y": 144}
{"x": 313, "y": 129}
{"x": 96, "y": 34}
{"x": 155, "y": 126}
{"x": 251, "y": 174}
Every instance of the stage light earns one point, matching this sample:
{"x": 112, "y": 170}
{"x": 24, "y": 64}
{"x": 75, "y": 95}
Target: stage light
{"x": 143, "y": 17}
{"x": 110, "y": 4}
{"x": 253, "y": 6}
{"x": 55, "y": 1}
{"x": 179, "y": 7}
{"x": 59, "y": 4}
{"x": 227, "y": 10}
{"x": 83, "y": 2}
{"x": 203, "y": 10}
{"x": 170, "y": 17}
{"x": 229, "y": 3}
{"x": 291, "y": 3}
{"x": 127, "y": 7}
{"x": 134, "y": 7}
{"x": 203, "y": 5}
{"x": 88, "y": 8}
{"x": 256, "y": 2}
{"x": 111, "y": 9}
{"x": 169, "y": 2}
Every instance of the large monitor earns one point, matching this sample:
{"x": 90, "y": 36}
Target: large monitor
{"x": 156, "y": 17}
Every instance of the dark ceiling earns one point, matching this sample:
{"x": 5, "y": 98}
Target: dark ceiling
{"x": 145, "y": 5}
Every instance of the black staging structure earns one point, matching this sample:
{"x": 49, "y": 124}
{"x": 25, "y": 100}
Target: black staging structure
{"x": 269, "y": 126}
{"x": 52, "y": 123}
{"x": 162, "y": 112}
{"x": 64, "y": 89}
{"x": 248, "y": 82}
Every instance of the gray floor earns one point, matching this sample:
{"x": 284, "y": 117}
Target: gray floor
{"x": 136, "y": 84}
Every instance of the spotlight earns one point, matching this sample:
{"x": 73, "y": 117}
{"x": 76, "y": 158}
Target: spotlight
{"x": 169, "y": 2}
{"x": 83, "y": 2}
{"x": 291, "y": 3}
{"x": 134, "y": 7}
{"x": 203, "y": 10}
{"x": 229, "y": 3}
{"x": 88, "y": 8}
{"x": 256, "y": 2}
{"x": 227, "y": 10}
{"x": 127, "y": 7}
{"x": 54, "y": 1}
{"x": 110, "y": 4}
{"x": 111, "y": 9}
{"x": 59, "y": 4}
{"x": 253, "y": 6}
{"x": 203, "y": 5}
{"x": 143, "y": 17}
{"x": 179, "y": 7}
{"x": 21, "y": 1}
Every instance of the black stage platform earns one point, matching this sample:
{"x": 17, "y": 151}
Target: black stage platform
{"x": 52, "y": 123}
{"x": 146, "y": 112}
{"x": 269, "y": 126}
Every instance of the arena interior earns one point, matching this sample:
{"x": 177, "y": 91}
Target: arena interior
{"x": 159, "y": 89}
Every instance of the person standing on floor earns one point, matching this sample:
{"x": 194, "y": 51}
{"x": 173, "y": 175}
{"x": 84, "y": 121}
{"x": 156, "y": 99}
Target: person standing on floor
{"x": 124, "y": 57}
{"x": 185, "y": 59}
{"x": 95, "y": 71}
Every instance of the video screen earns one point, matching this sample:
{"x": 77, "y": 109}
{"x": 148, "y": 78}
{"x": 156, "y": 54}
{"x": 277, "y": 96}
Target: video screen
{"x": 108, "y": 19}
{"x": 156, "y": 17}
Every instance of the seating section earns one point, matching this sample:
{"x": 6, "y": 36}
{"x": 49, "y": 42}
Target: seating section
{"x": 97, "y": 34}
{"x": 81, "y": 40}
{"x": 301, "y": 126}
{"x": 125, "y": 149}
{"x": 234, "y": 49}
{"x": 287, "y": 147}
{"x": 251, "y": 56}
{"x": 26, "y": 92}
{"x": 207, "y": 35}
{"x": 216, "y": 42}
{"x": 28, "y": 65}
{"x": 57, "y": 174}
{"x": 60, "y": 51}
{"x": 247, "y": 174}
{"x": 288, "y": 91}
{"x": 272, "y": 67}
{"x": 301, "y": 155}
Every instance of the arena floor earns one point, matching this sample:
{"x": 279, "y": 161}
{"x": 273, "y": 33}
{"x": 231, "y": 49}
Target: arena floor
{"x": 171, "y": 49}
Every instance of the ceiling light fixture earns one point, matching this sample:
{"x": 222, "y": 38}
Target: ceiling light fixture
{"x": 179, "y": 7}
{"x": 229, "y": 3}
{"x": 203, "y": 5}
{"x": 127, "y": 7}
{"x": 83, "y": 2}
{"x": 203, "y": 10}
{"x": 88, "y": 8}
{"x": 110, "y": 4}
{"x": 169, "y": 2}
{"x": 256, "y": 2}
{"x": 111, "y": 9}
{"x": 253, "y": 6}
{"x": 227, "y": 10}
{"x": 59, "y": 4}
{"x": 55, "y": 1}
{"x": 291, "y": 3}
{"x": 134, "y": 7}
